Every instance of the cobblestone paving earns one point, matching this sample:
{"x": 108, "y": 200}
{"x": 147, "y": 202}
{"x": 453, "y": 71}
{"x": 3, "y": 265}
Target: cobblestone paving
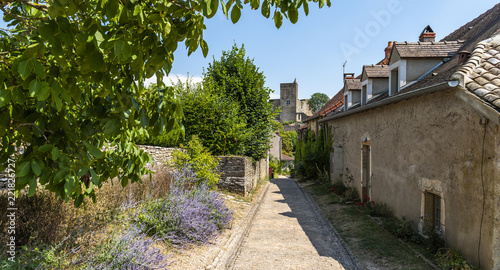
{"x": 289, "y": 233}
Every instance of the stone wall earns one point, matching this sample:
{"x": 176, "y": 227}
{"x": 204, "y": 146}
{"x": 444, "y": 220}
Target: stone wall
{"x": 238, "y": 174}
{"x": 159, "y": 154}
{"x": 241, "y": 174}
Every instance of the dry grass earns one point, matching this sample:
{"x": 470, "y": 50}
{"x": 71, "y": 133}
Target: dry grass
{"x": 45, "y": 218}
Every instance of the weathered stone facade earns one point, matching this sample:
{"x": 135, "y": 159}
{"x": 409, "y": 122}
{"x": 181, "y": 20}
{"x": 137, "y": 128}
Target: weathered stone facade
{"x": 241, "y": 174}
{"x": 292, "y": 108}
{"x": 432, "y": 144}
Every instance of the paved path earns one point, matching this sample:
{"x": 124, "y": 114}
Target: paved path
{"x": 289, "y": 232}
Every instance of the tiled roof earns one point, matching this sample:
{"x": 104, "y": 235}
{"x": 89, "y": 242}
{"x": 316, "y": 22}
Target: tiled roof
{"x": 481, "y": 73}
{"x": 335, "y": 102}
{"x": 427, "y": 49}
{"x": 286, "y": 158}
{"x": 376, "y": 71}
{"x": 353, "y": 84}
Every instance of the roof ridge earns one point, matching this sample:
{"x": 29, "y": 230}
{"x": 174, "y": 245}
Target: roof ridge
{"x": 430, "y": 42}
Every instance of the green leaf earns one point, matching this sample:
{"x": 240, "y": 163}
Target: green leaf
{"x": 40, "y": 71}
{"x": 170, "y": 125}
{"x": 18, "y": 95}
{"x": 24, "y": 68}
{"x": 204, "y": 47}
{"x": 35, "y": 87}
{"x": 32, "y": 188}
{"x": 44, "y": 91}
{"x": 45, "y": 148}
{"x": 306, "y": 7}
{"x": 48, "y": 29}
{"x": 23, "y": 169}
{"x": 122, "y": 49}
{"x": 5, "y": 97}
{"x": 293, "y": 15}
{"x": 57, "y": 101}
{"x": 235, "y": 14}
{"x": 36, "y": 167}
{"x": 69, "y": 186}
{"x": 55, "y": 153}
{"x": 278, "y": 19}
{"x": 212, "y": 8}
{"x": 93, "y": 61}
{"x": 79, "y": 200}
{"x": 95, "y": 178}
{"x": 266, "y": 9}
{"x": 4, "y": 123}
{"x": 144, "y": 119}
{"x": 111, "y": 127}
{"x": 94, "y": 151}
{"x": 60, "y": 175}
{"x": 224, "y": 8}
{"x": 321, "y": 3}
{"x": 124, "y": 181}
{"x": 254, "y": 4}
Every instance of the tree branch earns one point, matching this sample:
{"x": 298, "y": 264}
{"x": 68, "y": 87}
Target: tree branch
{"x": 28, "y": 3}
{"x": 22, "y": 18}
{"x": 179, "y": 5}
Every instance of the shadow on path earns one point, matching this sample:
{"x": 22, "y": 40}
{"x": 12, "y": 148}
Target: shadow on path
{"x": 324, "y": 241}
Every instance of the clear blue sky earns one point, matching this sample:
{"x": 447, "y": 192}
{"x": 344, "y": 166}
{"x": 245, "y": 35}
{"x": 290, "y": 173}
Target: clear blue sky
{"x": 314, "y": 49}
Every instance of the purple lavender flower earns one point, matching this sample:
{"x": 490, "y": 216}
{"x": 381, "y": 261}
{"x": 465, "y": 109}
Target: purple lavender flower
{"x": 130, "y": 250}
{"x": 191, "y": 213}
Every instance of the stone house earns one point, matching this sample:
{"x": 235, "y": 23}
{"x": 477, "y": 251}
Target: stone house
{"x": 292, "y": 108}
{"x": 275, "y": 150}
{"x": 428, "y": 142}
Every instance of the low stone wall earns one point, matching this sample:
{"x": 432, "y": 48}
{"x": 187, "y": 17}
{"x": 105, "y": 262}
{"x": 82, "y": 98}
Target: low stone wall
{"x": 241, "y": 174}
{"x": 159, "y": 154}
{"x": 238, "y": 174}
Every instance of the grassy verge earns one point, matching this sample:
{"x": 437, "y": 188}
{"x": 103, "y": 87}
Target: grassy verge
{"x": 374, "y": 247}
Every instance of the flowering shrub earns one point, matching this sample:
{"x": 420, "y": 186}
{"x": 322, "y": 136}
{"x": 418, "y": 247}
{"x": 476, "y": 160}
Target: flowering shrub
{"x": 196, "y": 156}
{"x": 129, "y": 250}
{"x": 191, "y": 213}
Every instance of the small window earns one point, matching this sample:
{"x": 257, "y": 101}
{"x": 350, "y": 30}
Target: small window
{"x": 394, "y": 82}
{"x": 432, "y": 215}
{"x": 288, "y": 102}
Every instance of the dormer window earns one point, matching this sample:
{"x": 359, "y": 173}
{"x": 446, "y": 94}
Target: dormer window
{"x": 411, "y": 61}
{"x": 395, "y": 80}
{"x": 374, "y": 81}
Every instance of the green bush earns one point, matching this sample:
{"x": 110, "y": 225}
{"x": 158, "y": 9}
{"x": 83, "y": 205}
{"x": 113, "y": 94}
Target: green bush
{"x": 198, "y": 158}
{"x": 448, "y": 259}
{"x": 339, "y": 187}
{"x": 312, "y": 156}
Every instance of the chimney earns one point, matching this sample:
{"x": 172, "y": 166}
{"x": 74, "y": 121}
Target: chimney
{"x": 348, "y": 76}
{"x": 388, "y": 50}
{"x": 427, "y": 35}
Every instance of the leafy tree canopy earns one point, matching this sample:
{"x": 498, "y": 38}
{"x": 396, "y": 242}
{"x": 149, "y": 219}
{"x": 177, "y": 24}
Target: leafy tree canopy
{"x": 317, "y": 101}
{"x": 213, "y": 118}
{"x": 71, "y": 75}
{"x": 236, "y": 78}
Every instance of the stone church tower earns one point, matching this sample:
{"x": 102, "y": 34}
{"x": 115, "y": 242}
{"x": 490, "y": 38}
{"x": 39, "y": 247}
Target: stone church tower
{"x": 292, "y": 108}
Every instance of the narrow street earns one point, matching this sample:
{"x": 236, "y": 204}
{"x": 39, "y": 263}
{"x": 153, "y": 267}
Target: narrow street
{"x": 289, "y": 232}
